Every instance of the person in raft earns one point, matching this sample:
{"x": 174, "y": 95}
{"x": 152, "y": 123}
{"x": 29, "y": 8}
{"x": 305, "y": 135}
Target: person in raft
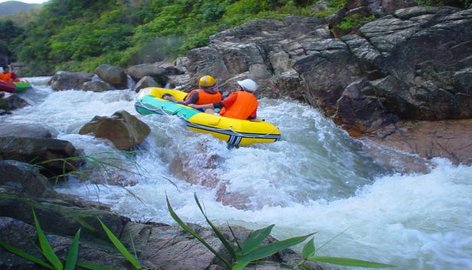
{"x": 7, "y": 76}
{"x": 240, "y": 104}
{"x": 207, "y": 93}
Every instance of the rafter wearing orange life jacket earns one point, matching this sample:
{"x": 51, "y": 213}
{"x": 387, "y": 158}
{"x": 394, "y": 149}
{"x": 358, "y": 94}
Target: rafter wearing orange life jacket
{"x": 7, "y": 77}
{"x": 240, "y": 105}
{"x": 200, "y": 96}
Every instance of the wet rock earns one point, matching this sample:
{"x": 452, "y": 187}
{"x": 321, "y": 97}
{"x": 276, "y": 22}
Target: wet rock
{"x": 12, "y": 102}
{"x": 55, "y": 157}
{"x": 113, "y": 75}
{"x": 97, "y": 85}
{"x": 158, "y": 246}
{"x": 24, "y": 130}
{"x": 159, "y": 74}
{"x": 448, "y": 139}
{"x": 24, "y": 178}
{"x": 122, "y": 129}
{"x": 146, "y": 81}
{"x": 64, "y": 80}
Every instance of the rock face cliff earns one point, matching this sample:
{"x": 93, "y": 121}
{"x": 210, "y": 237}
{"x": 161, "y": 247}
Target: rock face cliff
{"x": 412, "y": 65}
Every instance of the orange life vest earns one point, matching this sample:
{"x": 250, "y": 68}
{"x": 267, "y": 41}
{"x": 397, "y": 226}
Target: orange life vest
{"x": 242, "y": 108}
{"x": 6, "y": 77}
{"x": 205, "y": 97}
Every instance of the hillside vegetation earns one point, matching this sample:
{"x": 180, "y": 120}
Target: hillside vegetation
{"x": 81, "y": 34}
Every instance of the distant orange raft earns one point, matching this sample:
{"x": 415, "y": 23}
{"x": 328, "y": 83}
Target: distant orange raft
{"x": 15, "y": 87}
{"x": 235, "y": 132}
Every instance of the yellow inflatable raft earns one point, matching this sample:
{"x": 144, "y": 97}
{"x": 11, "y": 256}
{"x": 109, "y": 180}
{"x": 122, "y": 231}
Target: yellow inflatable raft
{"x": 234, "y": 131}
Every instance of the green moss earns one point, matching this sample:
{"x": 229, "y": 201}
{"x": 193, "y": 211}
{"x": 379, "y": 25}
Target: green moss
{"x": 354, "y": 21}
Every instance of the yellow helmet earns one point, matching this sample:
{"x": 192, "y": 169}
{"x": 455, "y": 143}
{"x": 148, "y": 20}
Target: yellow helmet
{"x": 207, "y": 81}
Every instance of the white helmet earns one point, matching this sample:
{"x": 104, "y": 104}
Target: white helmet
{"x": 248, "y": 85}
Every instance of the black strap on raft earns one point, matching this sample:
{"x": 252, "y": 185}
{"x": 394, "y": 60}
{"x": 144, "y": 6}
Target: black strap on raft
{"x": 234, "y": 141}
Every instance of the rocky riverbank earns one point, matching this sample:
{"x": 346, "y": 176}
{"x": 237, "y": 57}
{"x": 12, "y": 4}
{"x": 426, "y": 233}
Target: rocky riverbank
{"x": 403, "y": 80}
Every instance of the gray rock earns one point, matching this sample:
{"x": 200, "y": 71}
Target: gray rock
{"x": 12, "y": 102}
{"x": 24, "y": 130}
{"x": 24, "y": 178}
{"x": 113, "y": 75}
{"x": 55, "y": 157}
{"x": 122, "y": 129}
{"x": 159, "y": 74}
{"x": 64, "y": 80}
{"x": 146, "y": 81}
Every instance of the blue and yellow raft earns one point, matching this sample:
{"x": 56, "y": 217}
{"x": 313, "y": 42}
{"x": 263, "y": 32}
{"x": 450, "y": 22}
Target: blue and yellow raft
{"x": 235, "y": 132}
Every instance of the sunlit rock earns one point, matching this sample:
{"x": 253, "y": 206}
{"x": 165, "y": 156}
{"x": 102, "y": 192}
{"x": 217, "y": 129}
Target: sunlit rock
{"x": 122, "y": 129}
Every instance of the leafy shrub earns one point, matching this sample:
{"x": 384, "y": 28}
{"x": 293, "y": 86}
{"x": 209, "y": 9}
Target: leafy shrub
{"x": 70, "y": 262}
{"x": 251, "y": 249}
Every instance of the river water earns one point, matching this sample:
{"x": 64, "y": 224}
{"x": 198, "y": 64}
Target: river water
{"x": 316, "y": 179}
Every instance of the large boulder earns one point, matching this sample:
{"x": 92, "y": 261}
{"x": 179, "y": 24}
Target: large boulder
{"x": 24, "y": 178}
{"x": 447, "y": 139}
{"x": 159, "y": 74}
{"x": 263, "y": 50}
{"x": 12, "y": 102}
{"x": 411, "y": 65}
{"x": 24, "y": 130}
{"x": 122, "y": 129}
{"x": 64, "y": 80}
{"x": 54, "y": 157}
{"x": 146, "y": 81}
{"x": 158, "y": 246}
{"x": 113, "y": 75}
{"x": 97, "y": 85}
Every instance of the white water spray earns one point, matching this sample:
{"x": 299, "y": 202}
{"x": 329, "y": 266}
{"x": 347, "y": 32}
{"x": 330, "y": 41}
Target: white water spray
{"x": 316, "y": 179}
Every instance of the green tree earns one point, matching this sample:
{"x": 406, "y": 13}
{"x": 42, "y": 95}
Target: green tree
{"x": 9, "y": 31}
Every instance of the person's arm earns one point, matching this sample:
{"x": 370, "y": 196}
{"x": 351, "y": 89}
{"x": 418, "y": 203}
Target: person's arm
{"x": 205, "y": 106}
{"x": 191, "y": 100}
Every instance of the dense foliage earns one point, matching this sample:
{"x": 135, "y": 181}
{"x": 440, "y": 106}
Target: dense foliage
{"x": 8, "y": 32}
{"x": 81, "y": 34}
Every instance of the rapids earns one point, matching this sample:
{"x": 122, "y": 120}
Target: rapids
{"x": 316, "y": 179}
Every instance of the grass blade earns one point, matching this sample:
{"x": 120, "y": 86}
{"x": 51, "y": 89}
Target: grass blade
{"x": 92, "y": 266}
{"x": 269, "y": 249}
{"x": 187, "y": 228}
{"x": 24, "y": 255}
{"x": 73, "y": 253}
{"x": 255, "y": 238}
{"x": 46, "y": 248}
{"x": 309, "y": 249}
{"x": 349, "y": 262}
{"x": 218, "y": 233}
{"x": 121, "y": 248}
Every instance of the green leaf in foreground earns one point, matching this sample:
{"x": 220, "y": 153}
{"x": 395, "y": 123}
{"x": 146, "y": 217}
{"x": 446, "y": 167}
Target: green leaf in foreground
{"x": 349, "y": 262}
{"x": 121, "y": 248}
{"x": 267, "y": 250}
{"x": 46, "y": 248}
{"x": 187, "y": 228}
{"x": 255, "y": 238}
{"x": 73, "y": 253}
{"x": 92, "y": 266}
{"x": 24, "y": 254}
{"x": 220, "y": 236}
{"x": 309, "y": 249}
